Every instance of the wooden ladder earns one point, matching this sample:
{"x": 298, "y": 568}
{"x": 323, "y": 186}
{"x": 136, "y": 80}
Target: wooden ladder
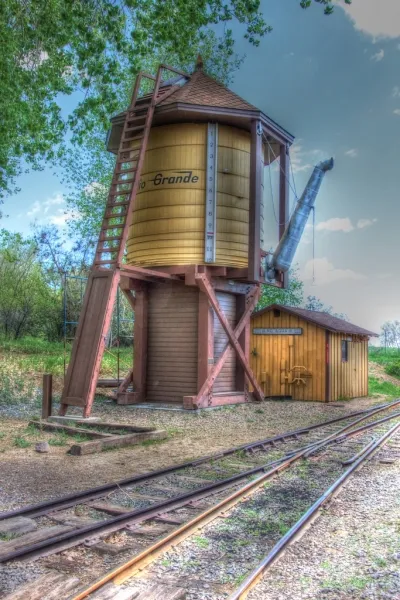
{"x": 95, "y": 317}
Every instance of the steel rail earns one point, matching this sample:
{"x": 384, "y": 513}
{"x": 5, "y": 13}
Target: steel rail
{"x": 156, "y": 509}
{"x": 42, "y": 508}
{"x": 138, "y": 562}
{"x": 242, "y": 591}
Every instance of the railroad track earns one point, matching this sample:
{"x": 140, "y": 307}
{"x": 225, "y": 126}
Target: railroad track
{"x": 175, "y": 501}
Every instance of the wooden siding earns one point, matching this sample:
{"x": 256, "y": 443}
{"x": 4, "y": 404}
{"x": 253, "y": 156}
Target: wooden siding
{"x": 226, "y": 380}
{"x": 348, "y": 379}
{"x": 172, "y": 342}
{"x": 272, "y": 356}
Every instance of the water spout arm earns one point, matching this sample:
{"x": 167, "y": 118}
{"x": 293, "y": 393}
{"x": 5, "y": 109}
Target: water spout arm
{"x": 282, "y": 258}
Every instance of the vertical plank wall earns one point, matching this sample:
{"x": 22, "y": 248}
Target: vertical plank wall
{"x": 172, "y": 342}
{"x": 275, "y": 354}
{"x": 348, "y": 379}
{"x": 226, "y": 380}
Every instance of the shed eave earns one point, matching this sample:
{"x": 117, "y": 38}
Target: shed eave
{"x": 362, "y": 332}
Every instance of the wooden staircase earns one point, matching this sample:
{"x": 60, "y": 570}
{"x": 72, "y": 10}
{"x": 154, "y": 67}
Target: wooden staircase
{"x": 95, "y": 318}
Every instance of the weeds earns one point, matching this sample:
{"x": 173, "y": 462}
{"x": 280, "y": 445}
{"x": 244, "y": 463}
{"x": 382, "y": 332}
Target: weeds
{"x": 21, "y": 442}
{"x": 201, "y": 542}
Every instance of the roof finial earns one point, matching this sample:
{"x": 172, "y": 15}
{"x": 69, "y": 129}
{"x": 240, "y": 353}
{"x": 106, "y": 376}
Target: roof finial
{"x": 199, "y": 63}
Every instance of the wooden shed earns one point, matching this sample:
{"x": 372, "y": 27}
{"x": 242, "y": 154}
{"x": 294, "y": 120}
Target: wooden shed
{"x": 308, "y": 355}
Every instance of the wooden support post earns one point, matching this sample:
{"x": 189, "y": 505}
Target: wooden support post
{"x": 205, "y": 342}
{"x": 140, "y": 342}
{"x": 284, "y": 197}
{"x": 255, "y": 202}
{"x": 47, "y": 398}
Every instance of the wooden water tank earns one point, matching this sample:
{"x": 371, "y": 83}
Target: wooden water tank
{"x": 169, "y": 216}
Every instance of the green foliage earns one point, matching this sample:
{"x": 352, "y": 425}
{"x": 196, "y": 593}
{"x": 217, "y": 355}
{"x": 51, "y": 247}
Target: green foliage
{"x": 25, "y": 299}
{"x": 53, "y": 48}
{"x": 56, "y": 48}
{"x": 292, "y": 296}
{"x": 393, "y": 369}
{"x": 388, "y": 357}
{"x": 314, "y": 303}
{"x": 21, "y": 442}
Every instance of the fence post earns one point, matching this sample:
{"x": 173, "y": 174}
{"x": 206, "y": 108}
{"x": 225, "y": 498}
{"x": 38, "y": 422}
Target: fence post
{"x": 47, "y": 397}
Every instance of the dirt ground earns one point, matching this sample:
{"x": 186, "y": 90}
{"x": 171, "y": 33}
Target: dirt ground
{"x": 27, "y": 477}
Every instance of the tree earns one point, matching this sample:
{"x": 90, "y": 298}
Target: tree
{"x": 314, "y": 303}
{"x": 292, "y": 296}
{"x": 26, "y": 302}
{"x": 390, "y": 334}
{"x": 64, "y": 46}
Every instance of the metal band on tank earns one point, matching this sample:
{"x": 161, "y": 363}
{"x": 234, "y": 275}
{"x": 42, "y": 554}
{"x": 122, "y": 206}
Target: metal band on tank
{"x": 211, "y": 193}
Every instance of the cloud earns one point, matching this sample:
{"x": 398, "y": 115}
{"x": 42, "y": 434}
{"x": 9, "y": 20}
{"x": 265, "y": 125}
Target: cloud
{"x": 92, "y": 188}
{"x": 353, "y": 153}
{"x": 376, "y": 18}
{"x": 336, "y": 224}
{"x": 35, "y": 208}
{"x": 396, "y": 92}
{"x": 45, "y": 213}
{"x": 378, "y": 56}
{"x": 362, "y": 223}
{"x": 61, "y": 217}
{"x": 297, "y": 157}
{"x": 326, "y": 272}
{"x": 397, "y": 112}
{"x": 344, "y": 224}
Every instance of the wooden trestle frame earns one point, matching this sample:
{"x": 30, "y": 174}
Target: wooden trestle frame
{"x": 108, "y": 271}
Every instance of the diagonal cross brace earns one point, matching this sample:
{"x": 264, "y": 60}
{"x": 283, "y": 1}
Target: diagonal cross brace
{"x": 204, "y": 284}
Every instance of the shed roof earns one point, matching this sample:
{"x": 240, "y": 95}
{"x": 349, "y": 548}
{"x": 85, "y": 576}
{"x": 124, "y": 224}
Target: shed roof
{"x": 322, "y": 319}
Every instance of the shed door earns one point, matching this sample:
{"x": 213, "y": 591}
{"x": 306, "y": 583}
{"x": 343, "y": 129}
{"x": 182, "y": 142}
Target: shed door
{"x": 226, "y": 380}
{"x": 172, "y": 342}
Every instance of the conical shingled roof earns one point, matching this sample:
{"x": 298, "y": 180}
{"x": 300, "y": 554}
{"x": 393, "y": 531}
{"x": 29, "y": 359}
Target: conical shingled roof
{"x": 202, "y": 90}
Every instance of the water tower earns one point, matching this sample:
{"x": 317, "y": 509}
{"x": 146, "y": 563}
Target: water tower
{"x": 186, "y": 204}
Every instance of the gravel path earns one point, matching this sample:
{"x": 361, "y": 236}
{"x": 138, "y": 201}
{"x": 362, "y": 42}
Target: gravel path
{"x": 351, "y": 552}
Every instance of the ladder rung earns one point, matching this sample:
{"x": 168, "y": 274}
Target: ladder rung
{"x": 107, "y": 250}
{"x": 125, "y": 171}
{"x": 106, "y": 227}
{"x": 129, "y": 129}
{"x": 109, "y": 215}
{"x": 104, "y": 262}
{"x": 123, "y": 181}
{"x": 115, "y": 194}
{"x": 118, "y": 204}
{"x": 111, "y": 239}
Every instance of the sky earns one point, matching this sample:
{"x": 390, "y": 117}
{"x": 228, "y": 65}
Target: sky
{"x": 334, "y": 83}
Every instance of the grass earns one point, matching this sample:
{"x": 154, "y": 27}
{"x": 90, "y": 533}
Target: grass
{"x": 201, "y": 542}
{"x": 21, "y": 442}
{"x": 386, "y": 388}
{"x": 389, "y": 358}
{"x": 35, "y": 355}
{"x": 7, "y": 537}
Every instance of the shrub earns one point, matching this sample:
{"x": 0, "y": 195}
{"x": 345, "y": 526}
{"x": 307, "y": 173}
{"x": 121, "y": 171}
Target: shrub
{"x": 393, "y": 369}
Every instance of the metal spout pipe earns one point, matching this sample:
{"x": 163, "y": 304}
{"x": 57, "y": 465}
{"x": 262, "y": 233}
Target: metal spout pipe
{"x": 283, "y": 256}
